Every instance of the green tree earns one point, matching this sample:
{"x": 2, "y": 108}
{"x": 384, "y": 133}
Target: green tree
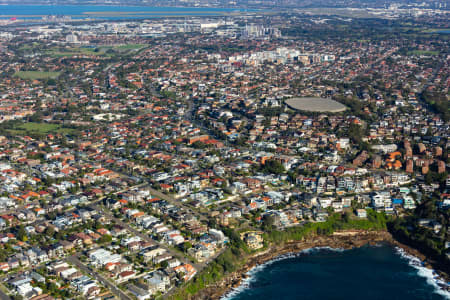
{"x": 22, "y": 234}
{"x": 186, "y": 246}
{"x": 274, "y": 166}
{"x": 106, "y": 238}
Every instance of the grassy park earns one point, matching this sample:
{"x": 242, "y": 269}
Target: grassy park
{"x": 100, "y": 51}
{"x": 423, "y": 52}
{"x": 39, "y": 128}
{"x": 76, "y": 51}
{"x": 130, "y": 47}
{"x": 33, "y": 75}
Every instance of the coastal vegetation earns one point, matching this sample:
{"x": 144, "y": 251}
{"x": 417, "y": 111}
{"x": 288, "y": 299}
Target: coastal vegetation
{"x": 238, "y": 253}
{"x": 374, "y": 221}
{"x": 415, "y": 231}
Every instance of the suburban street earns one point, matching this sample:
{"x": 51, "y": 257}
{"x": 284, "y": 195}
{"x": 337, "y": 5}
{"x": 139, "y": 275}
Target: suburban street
{"x": 143, "y": 236}
{"x": 3, "y": 296}
{"x": 75, "y": 261}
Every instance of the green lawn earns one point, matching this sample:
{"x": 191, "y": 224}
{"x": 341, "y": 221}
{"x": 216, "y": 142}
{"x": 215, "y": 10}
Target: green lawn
{"x": 36, "y": 75}
{"x": 423, "y": 52}
{"x": 130, "y": 46}
{"x": 28, "y": 46}
{"x": 69, "y": 52}
{"x": 100, "y": 51}
{"x": 39, "y": 128}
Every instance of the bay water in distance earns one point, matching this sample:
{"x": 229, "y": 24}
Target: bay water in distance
{"x": 103, "y": 12}
{"x": 369, "y": 273}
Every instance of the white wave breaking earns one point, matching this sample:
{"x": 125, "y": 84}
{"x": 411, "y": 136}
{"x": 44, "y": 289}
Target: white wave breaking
{"x": 245, "y": 283}
{"x": 440, "y": 287}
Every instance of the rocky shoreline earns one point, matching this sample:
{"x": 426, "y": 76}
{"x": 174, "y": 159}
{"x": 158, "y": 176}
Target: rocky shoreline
{"x": 342, "y": 240}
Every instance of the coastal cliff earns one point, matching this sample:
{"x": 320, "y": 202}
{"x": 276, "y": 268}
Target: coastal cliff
{"x": 341, "y": 239}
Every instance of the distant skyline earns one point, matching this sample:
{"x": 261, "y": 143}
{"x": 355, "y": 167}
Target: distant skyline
{"x": 442, "y": 4}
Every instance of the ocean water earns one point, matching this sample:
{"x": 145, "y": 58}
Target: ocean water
{"x": 369, "y": 273}
{"x": 97, "y": 11}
